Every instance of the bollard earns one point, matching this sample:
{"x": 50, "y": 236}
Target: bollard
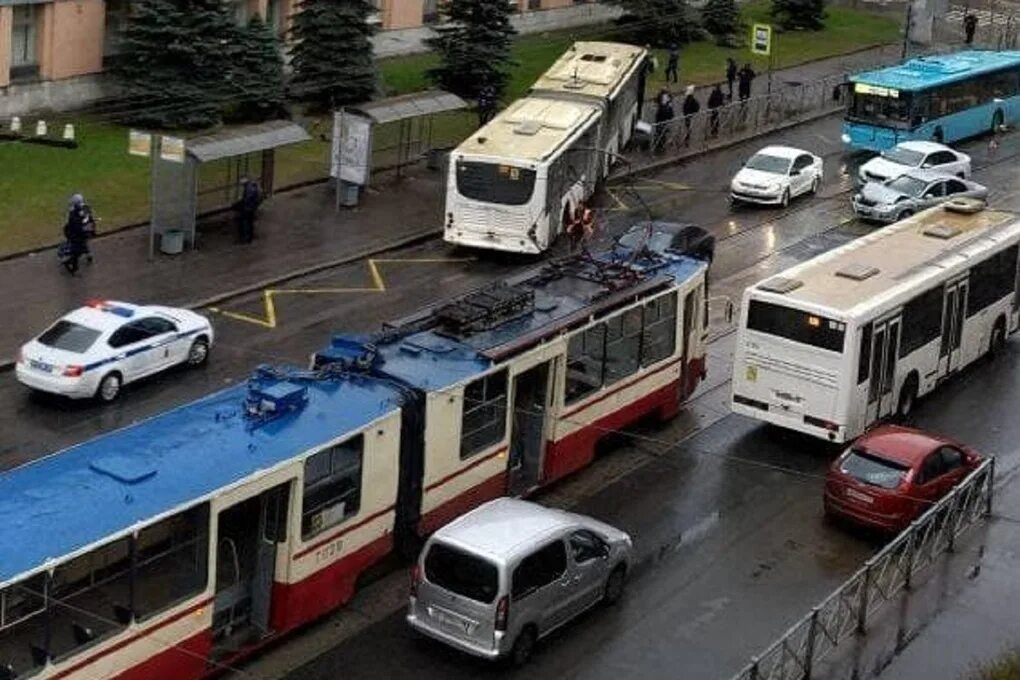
{"x": 40, "y": 128}
{"x": 15, "y": 124}
{"x": 69, "y": 132}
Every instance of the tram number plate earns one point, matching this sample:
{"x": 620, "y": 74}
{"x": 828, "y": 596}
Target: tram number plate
{"x": 329, "y": 551}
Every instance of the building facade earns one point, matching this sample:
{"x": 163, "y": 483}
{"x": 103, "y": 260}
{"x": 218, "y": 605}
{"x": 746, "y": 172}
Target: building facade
{"x": 51, "y": 51}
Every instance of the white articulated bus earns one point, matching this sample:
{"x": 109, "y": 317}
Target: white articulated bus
{"x": 857, "y": 334}
{"x": 515, "y": 183}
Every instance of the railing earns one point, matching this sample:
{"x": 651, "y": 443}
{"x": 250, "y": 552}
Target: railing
{"x": 845, "y": 613}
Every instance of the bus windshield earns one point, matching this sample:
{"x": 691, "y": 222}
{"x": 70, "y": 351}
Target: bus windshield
{"x": 796, "y": 325}
{"x": 495, "y": 183}
{"x": 879, "y": 110}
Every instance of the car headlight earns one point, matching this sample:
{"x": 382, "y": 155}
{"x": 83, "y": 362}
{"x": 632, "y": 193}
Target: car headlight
{"x": 775, "y": 188}
{"x": 845, "y": 137}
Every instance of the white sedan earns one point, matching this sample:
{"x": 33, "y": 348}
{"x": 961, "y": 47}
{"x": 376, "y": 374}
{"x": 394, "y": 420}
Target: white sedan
{"x": 776, "y": 174}
{"x": 97, "y": 349}
{"x": 907, "y": 156}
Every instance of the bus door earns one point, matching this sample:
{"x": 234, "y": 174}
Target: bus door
{"x": 528, "y": 420}
{"x": 954, "y": 313}
{"x": 885, "y": 348}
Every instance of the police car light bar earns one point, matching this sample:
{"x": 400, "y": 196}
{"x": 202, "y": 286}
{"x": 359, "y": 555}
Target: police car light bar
{"x": 104, "y": 306}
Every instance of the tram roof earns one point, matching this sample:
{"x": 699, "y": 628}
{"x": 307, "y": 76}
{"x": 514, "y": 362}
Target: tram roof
{"x": 565, "y": 296}
{"x": 60, "y": 504}
{"x": 873, "y": 268}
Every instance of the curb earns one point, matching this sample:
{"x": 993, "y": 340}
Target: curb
{"x": 410, "y": 240}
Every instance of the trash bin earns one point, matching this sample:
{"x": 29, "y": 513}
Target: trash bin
{"x": 172, "y": 242}
{"x": 348, "y": 194}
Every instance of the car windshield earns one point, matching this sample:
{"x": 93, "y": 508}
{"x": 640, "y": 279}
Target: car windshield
{"x": 461, "y": 573}
{"x": 903, "y": 156}
{"x": 68, "y": 336}
{"x": 659, "y": 241}
{"x": 873, "y": 470}
{"x": 766, "y": 163}
{"x": 910, "y": 186}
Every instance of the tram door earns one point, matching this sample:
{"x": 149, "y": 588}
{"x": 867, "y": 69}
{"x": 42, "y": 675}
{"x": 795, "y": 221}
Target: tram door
{"x": 885, "y": 347}
{"x": 528, "y": 424}
{"x": 249, "y": 534}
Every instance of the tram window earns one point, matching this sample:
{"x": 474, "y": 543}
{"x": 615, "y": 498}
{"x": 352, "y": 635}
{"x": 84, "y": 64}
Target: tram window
{"x": 83, "y": 593}
{"x": 171, "y": 561}
{"x": 623, "y": 345}
{"x": 922, "y": 320}
{"x": 332, "y": 489}
{"x": 992, "y": 280}
{"x": 659, "y": 329}
{"x": 22, "y": 623}
{"x": 586, "y": 353}
{"x": 483, "y": 415}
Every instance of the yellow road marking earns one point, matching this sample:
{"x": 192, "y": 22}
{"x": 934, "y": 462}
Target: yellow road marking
{"x": 620, "y": 205}
{"x": 269, "y": 319}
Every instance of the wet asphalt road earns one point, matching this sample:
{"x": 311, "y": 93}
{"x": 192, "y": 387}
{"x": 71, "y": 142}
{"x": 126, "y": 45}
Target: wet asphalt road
{"x": 725, "y": 513}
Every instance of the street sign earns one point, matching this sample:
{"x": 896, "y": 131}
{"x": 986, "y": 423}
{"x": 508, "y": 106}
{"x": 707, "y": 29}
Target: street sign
{"x": 172, "y": 149}
{"x": 761, "y": 39}
{"x": 139, "y": 143}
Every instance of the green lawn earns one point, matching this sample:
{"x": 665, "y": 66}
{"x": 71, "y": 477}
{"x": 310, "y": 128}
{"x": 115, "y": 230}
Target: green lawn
{"x": 36, "y": 181}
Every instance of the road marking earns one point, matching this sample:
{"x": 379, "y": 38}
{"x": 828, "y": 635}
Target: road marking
{"x": 269, "y": 318}
{"x": 620, "y": 205}
{"x": 660, "y": 184}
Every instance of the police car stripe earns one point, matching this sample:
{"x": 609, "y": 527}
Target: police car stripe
{"x": 139, "y": 350}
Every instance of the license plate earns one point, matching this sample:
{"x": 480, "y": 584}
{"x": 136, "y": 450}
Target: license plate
{"x": 858, "y": 496}
{"x": 452, "y": 622}
{"x": 40, "y": 366}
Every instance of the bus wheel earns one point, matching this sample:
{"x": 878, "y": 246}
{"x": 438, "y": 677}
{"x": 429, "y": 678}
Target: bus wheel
{"x": 908, "y": 395}
{"x": 998, "y": 339}
{"x": 997, "y": 120}
{"x": 938, "y": 136}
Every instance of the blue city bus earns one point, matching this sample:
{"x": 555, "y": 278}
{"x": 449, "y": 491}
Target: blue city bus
{"x": 943, "y": 98}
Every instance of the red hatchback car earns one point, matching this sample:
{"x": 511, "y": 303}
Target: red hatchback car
{"x": 891, "y": 475}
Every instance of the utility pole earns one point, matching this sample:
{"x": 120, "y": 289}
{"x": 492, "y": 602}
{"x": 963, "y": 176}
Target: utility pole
{"x": 906, "y": 30}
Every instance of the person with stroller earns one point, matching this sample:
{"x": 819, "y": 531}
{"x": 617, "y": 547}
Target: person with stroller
{"x": 79, "y": 227}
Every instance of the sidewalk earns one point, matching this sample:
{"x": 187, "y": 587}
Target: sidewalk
{"x": 297, "y": 231}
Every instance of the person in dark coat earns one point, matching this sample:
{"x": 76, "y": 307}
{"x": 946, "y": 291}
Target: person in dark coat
{"x": 673, "y": 65}
{"x": 690, "y": 108}
{"x": 970, "y": 22}
{"x": 715, "y": 102}
{"x": 745, "y": 77}
{"x": 77, "y": 229}
{"x": 731, "y": 74}
{"x": 486, "y": 104}
{"x": 664, "y": 113}
{"x": 247, "y": 207}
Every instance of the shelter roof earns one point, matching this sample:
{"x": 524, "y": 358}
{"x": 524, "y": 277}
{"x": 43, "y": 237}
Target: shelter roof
{"x": 238, "y": 141}
{"x": 410, "y": 106}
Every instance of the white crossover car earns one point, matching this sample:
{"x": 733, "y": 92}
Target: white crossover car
{"x": 95, "y": 350}
{"x": 907, "y": 156}
{"x": 776, "y": 174}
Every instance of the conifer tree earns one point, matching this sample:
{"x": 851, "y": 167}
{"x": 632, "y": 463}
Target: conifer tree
{"x": 174, "y": 61}
{"x": 721, "y": 18}
{"x": 332, "y": 53}
{"x": 473, "y": 44}
{"x": 660, "y": 23}
{"x": 799, "y": 14}
{"x": 256, "y": 73}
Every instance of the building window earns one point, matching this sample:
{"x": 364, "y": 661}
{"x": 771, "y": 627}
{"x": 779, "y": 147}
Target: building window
{"x": 274, "y": 16}
{"x": 241, "y": 12}
{"x": 483, "y": 422}
{"x": 430, "y": 12}
{"x": 332, "y": 489}
{"x": 534, "y": 4}
{"x": 25, "y": 26}
{"x": 117, "y": 15}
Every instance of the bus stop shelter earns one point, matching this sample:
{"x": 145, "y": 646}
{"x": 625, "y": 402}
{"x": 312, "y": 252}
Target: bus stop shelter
{"x": 179, "y": 184}
{"x": 386, "y": 134}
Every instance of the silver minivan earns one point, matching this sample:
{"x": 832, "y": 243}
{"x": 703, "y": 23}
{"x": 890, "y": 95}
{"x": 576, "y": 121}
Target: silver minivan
{"x": 495, "y": 581}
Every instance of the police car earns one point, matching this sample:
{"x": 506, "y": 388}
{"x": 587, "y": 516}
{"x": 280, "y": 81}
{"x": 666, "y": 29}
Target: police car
{"x": 97, "y": 349}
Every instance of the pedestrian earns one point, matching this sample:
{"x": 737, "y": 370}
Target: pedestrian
{"x": 663, "y": 115}
{"x": 970, "y": 22}
{"x": 993, "y": 146}
{"x": 715, "y": 102}
{"x": 731, "y": 74}
{"x": 79, "y": 226}
{"x": 690, "y": 108}
{"x": 486, "y": 104}
{"x": 651, "y": 63}
{"x": 744, "y": 77}
{"x": 673, "y": 65}
{"x": 247, "y": 207}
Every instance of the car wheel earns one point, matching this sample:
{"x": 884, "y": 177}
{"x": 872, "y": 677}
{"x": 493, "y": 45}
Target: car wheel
{"x": 904, "y": 215}
{"x": 109, "y": 387}
{"x": 198, "y": 353}
{"x": 785, "y": 200}
{"x": 815, "y": 184}
{"x": 524, "y": 647}
{"x": 614, "y": 586}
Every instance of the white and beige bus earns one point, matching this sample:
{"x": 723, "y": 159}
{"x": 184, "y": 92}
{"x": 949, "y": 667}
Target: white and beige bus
{"x": 515, "y": 183}
{"x": 857, "y": 334}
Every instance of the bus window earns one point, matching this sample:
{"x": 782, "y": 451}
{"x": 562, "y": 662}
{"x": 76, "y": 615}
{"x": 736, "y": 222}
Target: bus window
{"x": 495, "y": 183}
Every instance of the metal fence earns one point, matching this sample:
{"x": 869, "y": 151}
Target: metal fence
{"x": 845, "y": 614}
